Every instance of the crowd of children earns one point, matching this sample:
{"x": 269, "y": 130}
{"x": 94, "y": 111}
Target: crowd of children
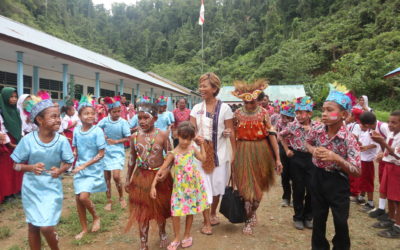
{"x": 323, "y": 164}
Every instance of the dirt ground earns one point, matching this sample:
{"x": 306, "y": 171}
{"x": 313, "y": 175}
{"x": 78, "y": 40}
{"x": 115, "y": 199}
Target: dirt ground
{"x": 274, "y": 231}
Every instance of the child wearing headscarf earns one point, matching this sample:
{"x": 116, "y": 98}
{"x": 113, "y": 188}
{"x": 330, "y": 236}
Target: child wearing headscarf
{"x": 10, "y": 135}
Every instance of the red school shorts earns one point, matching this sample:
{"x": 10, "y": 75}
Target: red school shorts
{"x": 380, "y": 170}
{"x": 354, "y": 185}
{"x": 390, "y": 185}
{"x": 367, "y": 176}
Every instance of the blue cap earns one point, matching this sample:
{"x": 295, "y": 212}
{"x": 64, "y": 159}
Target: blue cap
{"x": 287, "y": 108}
{"x": 39, "y": 107}
{"x": 304, "y": 103}
{"x": 340, "y": 98}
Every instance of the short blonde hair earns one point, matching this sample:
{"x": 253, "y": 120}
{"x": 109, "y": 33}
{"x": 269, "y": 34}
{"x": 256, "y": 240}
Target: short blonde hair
{"x": 214, "y": 80}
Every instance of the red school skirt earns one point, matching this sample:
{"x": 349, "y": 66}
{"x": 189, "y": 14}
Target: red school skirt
{"x": 390, "y": 185}
{"x": 367, "y": 176}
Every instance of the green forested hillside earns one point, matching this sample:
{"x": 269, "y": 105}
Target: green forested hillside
{"x": 312, "y": 42}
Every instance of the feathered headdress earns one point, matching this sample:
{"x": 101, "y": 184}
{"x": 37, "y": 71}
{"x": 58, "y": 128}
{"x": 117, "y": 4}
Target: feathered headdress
{"x": 38, "y": 103}
{"x": 341, "y": 96}
{"x": 287, "y": 108}
{"x": 145, "y": 105}
{"x": 111, "y": 102}
{"x": 86, "y": 101}
{"x": 162, "y": 101}
{"x": 304, "y": 103}
{"x": 249, "y": 92}
{"x": 143, "y": 99}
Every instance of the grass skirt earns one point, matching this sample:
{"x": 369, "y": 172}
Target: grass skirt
{"x": 141, "y": 206}
{"x": 253, "y": 169}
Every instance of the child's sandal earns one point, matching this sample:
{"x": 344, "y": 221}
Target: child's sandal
{"x": 173, "y": 245}
{"x": 206, "y": 230}
{"x": 187, "y": 242}
{"x": 214, "y": 220}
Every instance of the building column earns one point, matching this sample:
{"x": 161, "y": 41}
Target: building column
{"x": 138, "y": 90}
{"x": 72, "y": 79}
{"x": 116, "y": 90}
{"x": 133, "y": 96}
{"x": 163, "y": 93}
{"x": 35, "y": 84}
{"x": 20, "y": 73}
{"x": 121, "y": 86}
{"x": 190, "y": 102}
{"x": 97, "y": 87}
{"x": 65, "y": 80}
{"x": 151, "y": 94}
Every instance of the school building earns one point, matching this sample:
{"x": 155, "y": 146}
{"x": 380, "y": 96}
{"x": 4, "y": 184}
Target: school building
{"x": 31, "y": 60}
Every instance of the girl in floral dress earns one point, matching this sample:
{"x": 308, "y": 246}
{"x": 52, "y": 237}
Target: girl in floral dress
{"x": 188, "y": 195}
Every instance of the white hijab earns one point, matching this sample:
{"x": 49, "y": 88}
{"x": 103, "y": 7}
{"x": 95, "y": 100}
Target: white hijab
{"x": 366, "y": 102}
{"x": 27, "y": 127}
{"x": 20, "y": 106}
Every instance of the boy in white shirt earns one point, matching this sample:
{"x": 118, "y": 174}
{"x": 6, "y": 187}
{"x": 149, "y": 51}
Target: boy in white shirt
{"x": 368, "y": 119}
{"x": 390, "y": 182}
{"x": 369, "y": 150}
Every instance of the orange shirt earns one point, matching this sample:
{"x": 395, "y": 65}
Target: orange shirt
{"x": 251, "y": 126}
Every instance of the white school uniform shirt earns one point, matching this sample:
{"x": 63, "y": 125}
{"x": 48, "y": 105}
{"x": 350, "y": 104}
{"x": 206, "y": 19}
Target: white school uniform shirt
{"x": 354, "y": 128}
{"x": 396, "y": 146}
{"x": 382, "y": 128}
{"x": 67, "y": 118}
{"x": 3, "y": 130}
{"x": 365, "y": 140}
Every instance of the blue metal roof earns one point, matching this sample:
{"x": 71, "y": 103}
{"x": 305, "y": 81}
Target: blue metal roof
{"x": 392, "y": 73}
{"x": 275, "y": 92}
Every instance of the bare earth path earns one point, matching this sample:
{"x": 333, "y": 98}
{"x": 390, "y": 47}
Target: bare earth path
{"x": 275, "y": 230}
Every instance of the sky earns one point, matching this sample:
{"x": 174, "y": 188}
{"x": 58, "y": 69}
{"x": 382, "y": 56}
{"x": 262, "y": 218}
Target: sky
{"x": 108, "y": 3}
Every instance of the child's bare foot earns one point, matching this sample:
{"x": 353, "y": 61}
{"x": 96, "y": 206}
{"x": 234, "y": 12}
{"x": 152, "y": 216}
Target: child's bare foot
{"x": 80, "y": 235}
{"x": 122, "y": 202}
{"x": 96, "y": 224}
{"x": 108, "y": 206}
{"x": 143, "y": 246}
{"x": 163, "y": 241}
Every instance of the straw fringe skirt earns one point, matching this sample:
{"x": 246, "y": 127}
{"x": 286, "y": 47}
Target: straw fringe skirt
{"x": 141, "y": 206}
{"x": 253, "y": 169}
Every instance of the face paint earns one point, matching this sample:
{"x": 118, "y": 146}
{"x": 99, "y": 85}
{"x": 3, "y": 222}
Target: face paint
{"x": 333, "y": 116}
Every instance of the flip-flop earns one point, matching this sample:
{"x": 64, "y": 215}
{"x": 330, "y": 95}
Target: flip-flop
{"x": 187, "y": 242}
{"x": 214, "y": 221}
{"x": 173, "y": 245}
{"x": 205, "y": 230}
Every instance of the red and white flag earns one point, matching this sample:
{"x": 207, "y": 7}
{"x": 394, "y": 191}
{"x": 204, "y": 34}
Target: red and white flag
{"x": 201, "y": 18}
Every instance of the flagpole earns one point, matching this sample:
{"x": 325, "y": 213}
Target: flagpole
{"x": 202, "y": 49}
{"x": 201, "y": 22}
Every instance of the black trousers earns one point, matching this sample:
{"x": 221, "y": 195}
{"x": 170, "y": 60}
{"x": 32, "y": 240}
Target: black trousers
{"x": 301, "y": 172}
{"x": 330, "y": 190}
{"x": 285, "y": 176}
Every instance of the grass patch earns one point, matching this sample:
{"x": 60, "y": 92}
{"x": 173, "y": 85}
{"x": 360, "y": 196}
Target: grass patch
{"x": 5, "y": 232}
{"x": 15, "y": 247}
{"x": 382, "y": 115}
{"x": 69, "y": 225}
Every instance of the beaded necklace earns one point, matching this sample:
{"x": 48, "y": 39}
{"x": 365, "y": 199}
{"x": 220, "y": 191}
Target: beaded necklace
{"x": 139, "y": 160}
